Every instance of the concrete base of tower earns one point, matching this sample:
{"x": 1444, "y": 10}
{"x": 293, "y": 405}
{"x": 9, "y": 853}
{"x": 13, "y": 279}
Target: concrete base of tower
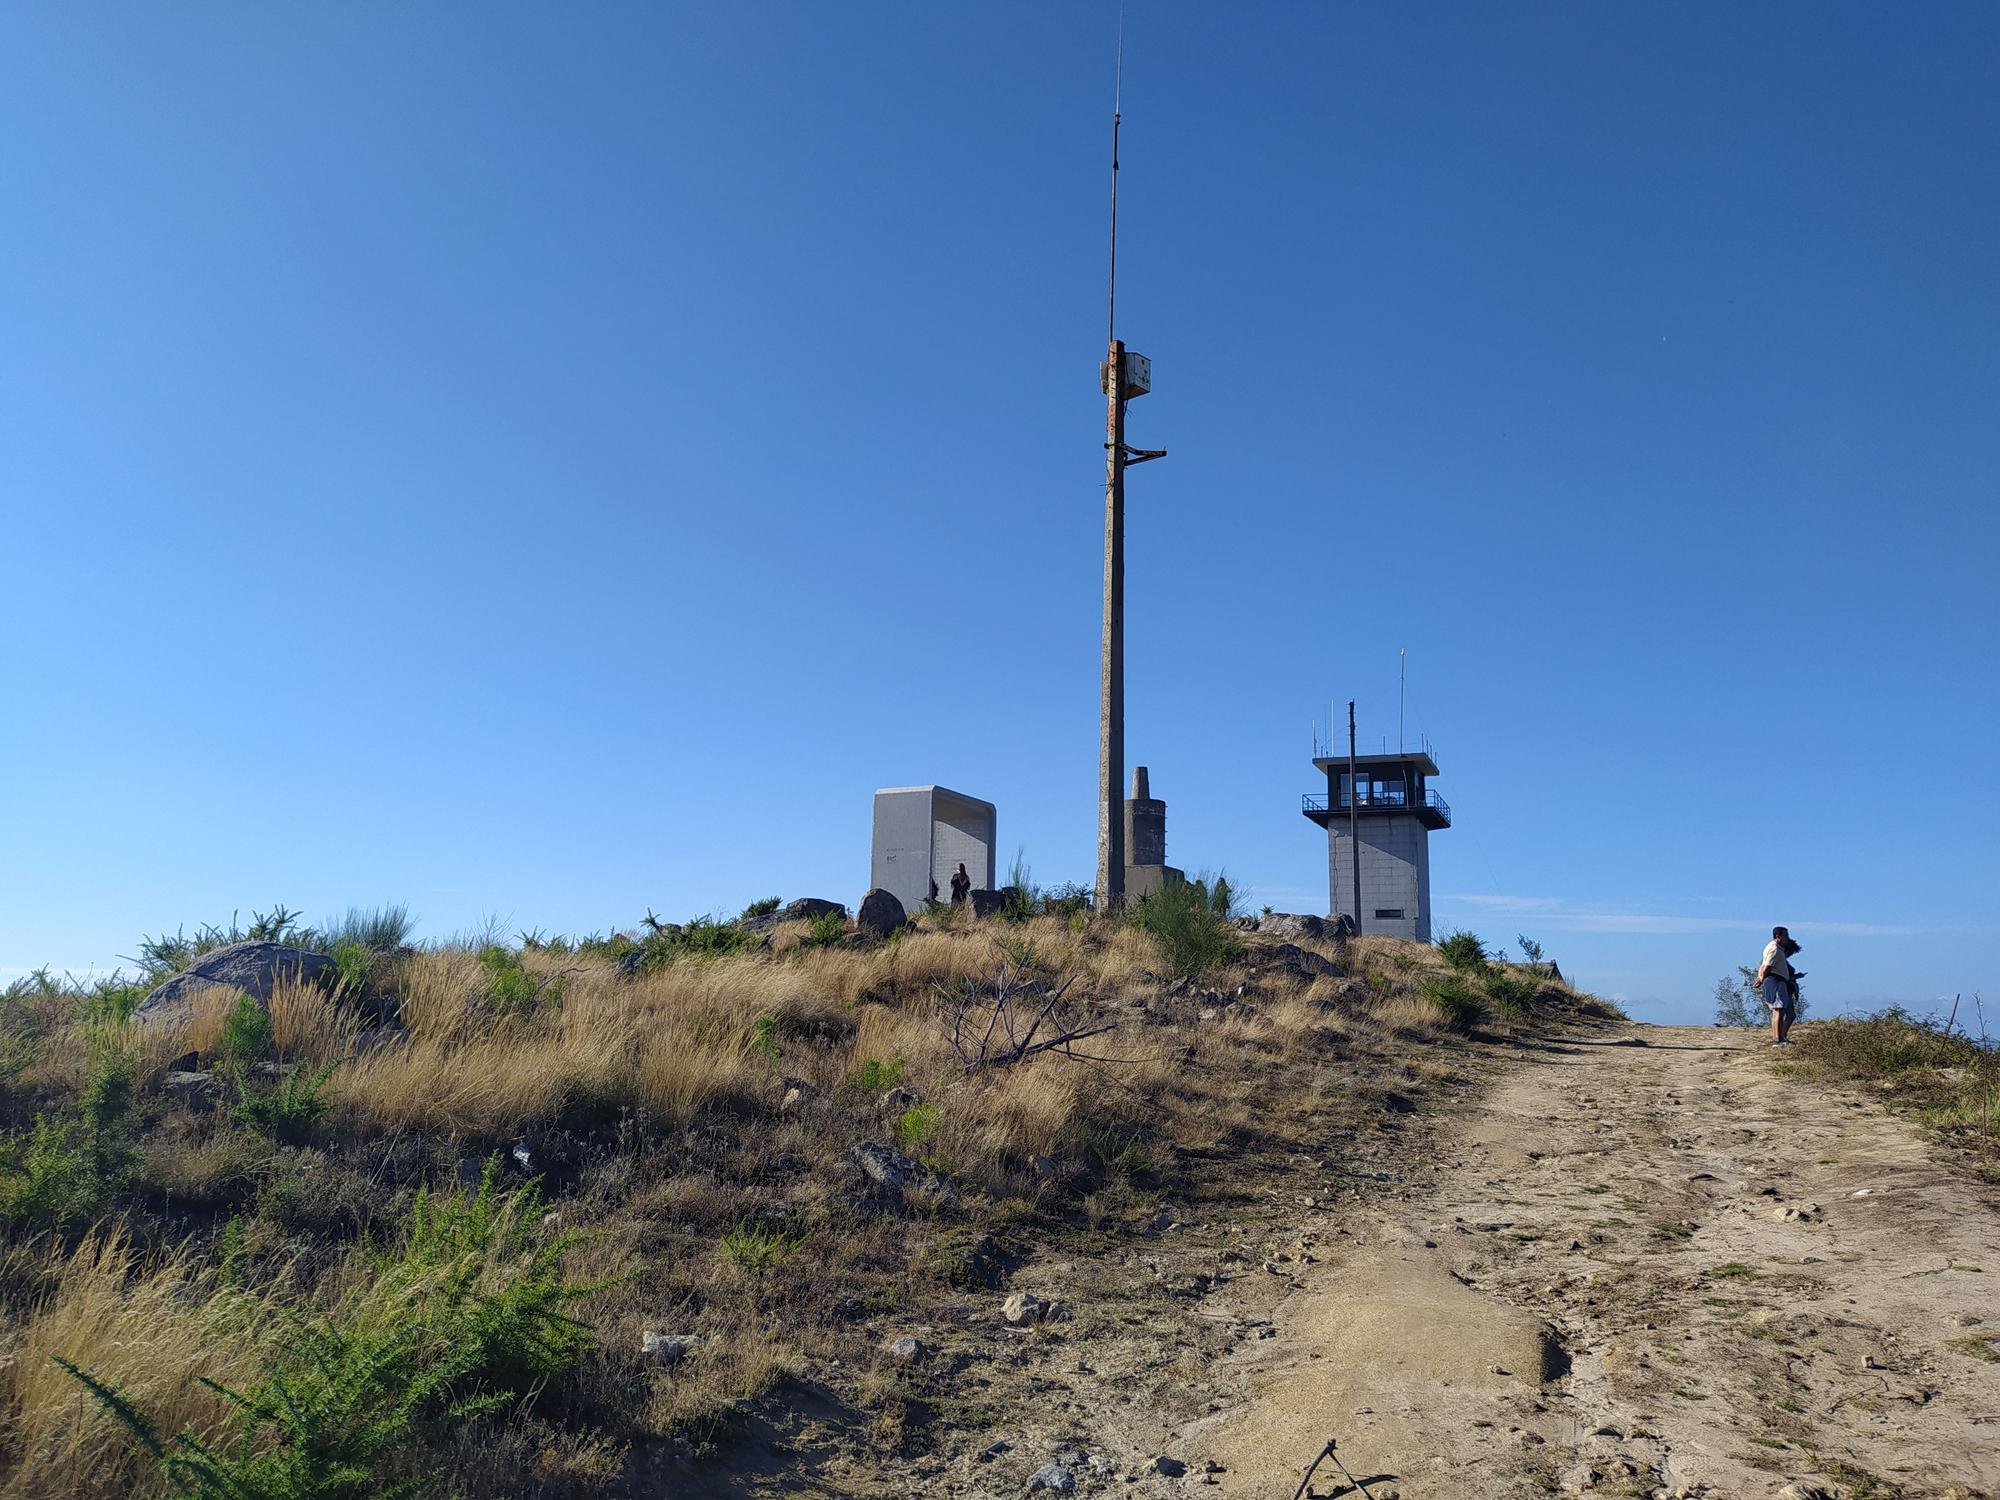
{"x": 1143, "y": 880}
{"x": 1395, "y": 876}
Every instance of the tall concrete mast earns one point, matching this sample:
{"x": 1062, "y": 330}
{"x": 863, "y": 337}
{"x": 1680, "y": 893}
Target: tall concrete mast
{"x": 1124, "y": 376}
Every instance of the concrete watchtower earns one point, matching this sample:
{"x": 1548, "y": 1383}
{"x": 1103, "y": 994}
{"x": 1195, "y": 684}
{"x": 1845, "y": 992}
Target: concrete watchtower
{"x": 1393, "y": 813}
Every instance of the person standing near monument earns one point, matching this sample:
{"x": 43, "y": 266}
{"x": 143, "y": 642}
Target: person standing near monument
{"x": 961, "y": 885}
{"x": 1775, "y": 977}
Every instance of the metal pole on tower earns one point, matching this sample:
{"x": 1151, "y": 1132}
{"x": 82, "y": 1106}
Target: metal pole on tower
{"x": 1353, "y": 818}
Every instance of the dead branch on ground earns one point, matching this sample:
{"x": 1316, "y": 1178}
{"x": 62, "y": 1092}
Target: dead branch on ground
{"x": 1013, "y": 1017}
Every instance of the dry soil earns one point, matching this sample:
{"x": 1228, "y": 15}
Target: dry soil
{"x": 1650, "y": 1264}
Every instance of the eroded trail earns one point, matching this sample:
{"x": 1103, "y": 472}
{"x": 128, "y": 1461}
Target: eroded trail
{"x": 1650, "y": 1266}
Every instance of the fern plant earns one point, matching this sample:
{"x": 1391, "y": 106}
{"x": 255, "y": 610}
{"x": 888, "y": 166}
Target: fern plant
{"x": 475, "y": 1271}
{"x": 333, "y": 1411}
{"x": 467, "y": 1312}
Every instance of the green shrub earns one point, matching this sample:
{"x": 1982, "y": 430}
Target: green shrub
{"x": 876, "y": 1074}
{"x": 699, "y": 937}
{"x": 356, "y": 963}
{"x": 67, "y": 1170}
{"x": 289, "y": 1112}
{"x": 824, "y": 930}
{"x": 477, "y": 1272}
{"x": 1069, "y": 900}
{"x": 246, "y": 1035}
{"x": 1190, "y": 920}
{"x": 50, "y": 1179}
{"x": 764, "y": 1038}
{"x": 757, "y": 1247}
{"x": 762, "y": 908}
{"x": 1513, "y": 993}
{"x": 510, "y": 988}
{"x": 333, "y": 1412}
{"x": 382, "y": 930}
{"x": 1023, "y": 898}
{"x": 916, "y": 1127}
{"x": 1463, "y": 950}
{"x": 1462, "y": 1004}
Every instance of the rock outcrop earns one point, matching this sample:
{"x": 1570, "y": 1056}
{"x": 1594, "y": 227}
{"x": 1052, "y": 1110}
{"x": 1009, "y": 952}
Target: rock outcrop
{"x": 880, "y": 913}
{"x": 253, "y": 969}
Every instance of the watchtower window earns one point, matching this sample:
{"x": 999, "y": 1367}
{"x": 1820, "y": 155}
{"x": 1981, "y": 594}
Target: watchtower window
{"x": 1388, "y": 913}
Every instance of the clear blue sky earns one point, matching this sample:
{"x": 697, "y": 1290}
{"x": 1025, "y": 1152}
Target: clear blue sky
{"x": 549, "y": 462}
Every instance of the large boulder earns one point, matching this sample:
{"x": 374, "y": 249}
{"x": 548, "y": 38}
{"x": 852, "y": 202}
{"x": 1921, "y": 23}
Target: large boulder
{"x": 880, "y": 913}
{"x": 806, "y": 908}
{"x": 1292, "y": 926}
{"x": 802, "y": 910}
{"x": 253, "y": 969}
{"x": 987, "y": 903}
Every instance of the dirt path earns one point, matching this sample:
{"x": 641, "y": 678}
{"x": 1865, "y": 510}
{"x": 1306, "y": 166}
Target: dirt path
{"x": 1650, "y": 1266}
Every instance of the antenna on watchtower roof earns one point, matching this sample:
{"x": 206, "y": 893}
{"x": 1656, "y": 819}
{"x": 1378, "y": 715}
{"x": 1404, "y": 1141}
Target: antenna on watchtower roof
{"x": 1402, "y": 654}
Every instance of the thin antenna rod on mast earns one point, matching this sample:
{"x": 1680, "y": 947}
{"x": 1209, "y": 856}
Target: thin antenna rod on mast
{"x": 1402, "y": 654}
{"x": 1117, "y": 100}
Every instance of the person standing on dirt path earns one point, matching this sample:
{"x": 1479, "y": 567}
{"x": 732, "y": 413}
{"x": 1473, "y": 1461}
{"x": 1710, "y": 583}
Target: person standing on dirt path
{"x": 1775, "y": 977}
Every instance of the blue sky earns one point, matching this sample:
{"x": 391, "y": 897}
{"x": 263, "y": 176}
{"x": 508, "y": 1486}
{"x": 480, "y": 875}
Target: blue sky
{"x": 547, "y": 463}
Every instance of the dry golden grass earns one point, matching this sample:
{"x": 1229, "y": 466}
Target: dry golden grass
{"x": 150, "y": 1330}
{"x": 310, "y": 1027}
{"x": 666, "y": 1089}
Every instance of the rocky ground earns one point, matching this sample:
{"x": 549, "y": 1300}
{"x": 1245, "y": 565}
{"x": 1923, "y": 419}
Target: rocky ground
{"x": 1631, "y": 1261}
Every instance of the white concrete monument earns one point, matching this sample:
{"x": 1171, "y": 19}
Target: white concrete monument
{"x": 922, "y": 834}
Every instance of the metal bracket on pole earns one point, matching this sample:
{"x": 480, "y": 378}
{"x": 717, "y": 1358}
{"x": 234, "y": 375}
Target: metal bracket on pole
{"x": 1141, "y": 455}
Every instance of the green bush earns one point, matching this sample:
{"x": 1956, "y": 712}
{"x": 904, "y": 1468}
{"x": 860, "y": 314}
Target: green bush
{"x": 50, "y": 1179}
{"x": 826, "y": 929}
{"x": 510, "y": 988}
{"x": 916, "y": 1127}
{"x": 757, "y": 1248}
{"x": 762, "y": 908}
{"x": 876, "y": 1074}
{"x": 699, "y": 937}
{"x": 1024, "y": 899}
{"x": 332, "y": 1413}
{"x": 1191, "y": 922}
{"x": 382, "y": 930}
{"x": 1513, "y": 993}
{"x": 1463, "y": 950}
{"x": 356, "y": 962}
{"x": 1069, "y": 900}
{"x": 289, "y": 1112}
{"x": 67, "y": 1170}
{"x": 246, "y": 1035}
{"x": 1463, "y": 1006}
{"x": 477, "y": 1271}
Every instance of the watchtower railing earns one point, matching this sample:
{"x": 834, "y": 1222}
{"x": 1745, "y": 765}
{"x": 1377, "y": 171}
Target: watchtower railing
{"x": 1389, "y": 796}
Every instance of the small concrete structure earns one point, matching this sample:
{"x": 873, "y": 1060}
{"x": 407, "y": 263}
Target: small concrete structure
{"x": 1146, "y": 867}
{"x": 1395, "y": 812}
{"x": 922, "y": 833}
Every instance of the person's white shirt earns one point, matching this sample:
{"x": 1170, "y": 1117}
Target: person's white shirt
{"x": 1775, "y": 961}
